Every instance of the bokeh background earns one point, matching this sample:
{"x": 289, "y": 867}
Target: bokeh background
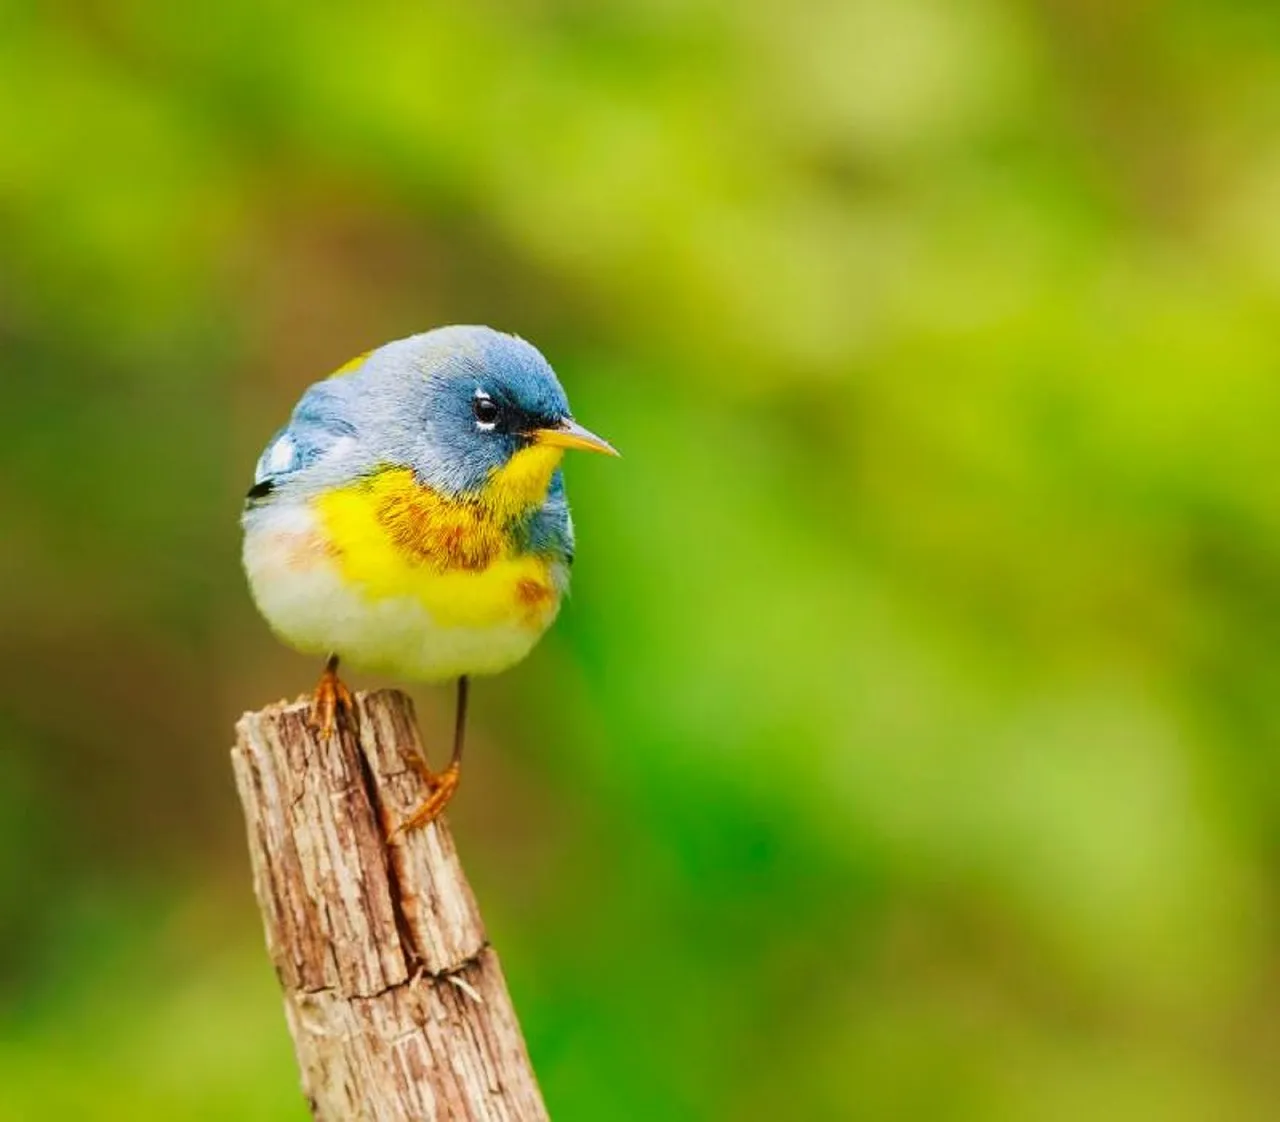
{"x": 909, "y": 747}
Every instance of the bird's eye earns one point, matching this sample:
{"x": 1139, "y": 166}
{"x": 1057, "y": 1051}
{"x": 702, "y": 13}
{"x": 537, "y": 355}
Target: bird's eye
{"x": 485, "y": 411}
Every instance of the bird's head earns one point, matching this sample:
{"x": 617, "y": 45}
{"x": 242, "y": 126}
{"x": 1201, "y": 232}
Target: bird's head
{"x": 483, "y": 412}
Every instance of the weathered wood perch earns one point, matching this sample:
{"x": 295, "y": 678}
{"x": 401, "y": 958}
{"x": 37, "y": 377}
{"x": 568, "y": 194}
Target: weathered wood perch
{"x": 396, "y": 1002}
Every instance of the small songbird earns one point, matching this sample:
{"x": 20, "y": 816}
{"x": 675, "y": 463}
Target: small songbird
{"x": 411, "y": 519}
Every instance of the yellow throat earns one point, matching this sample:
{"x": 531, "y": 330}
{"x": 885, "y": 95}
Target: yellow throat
{"x": 392, "y": 537}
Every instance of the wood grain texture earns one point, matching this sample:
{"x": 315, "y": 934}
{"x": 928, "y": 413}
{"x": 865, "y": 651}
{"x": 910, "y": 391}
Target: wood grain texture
{"x": 396, "y": 1002}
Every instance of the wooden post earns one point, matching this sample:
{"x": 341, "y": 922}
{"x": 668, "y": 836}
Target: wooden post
{"x": 396, "y": 1002}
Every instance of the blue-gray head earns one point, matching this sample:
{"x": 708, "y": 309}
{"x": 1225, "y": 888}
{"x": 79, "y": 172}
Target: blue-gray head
{"x": 456, "y": 404}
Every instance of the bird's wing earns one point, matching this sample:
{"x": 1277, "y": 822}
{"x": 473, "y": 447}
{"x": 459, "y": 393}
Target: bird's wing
{"x": 317, "y": 428}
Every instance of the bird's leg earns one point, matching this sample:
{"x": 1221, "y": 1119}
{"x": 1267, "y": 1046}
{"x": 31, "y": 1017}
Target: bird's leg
{"x": 440, "y": 785}
{"x": 332, "y": 700}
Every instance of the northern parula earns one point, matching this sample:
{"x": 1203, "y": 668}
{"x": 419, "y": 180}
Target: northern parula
{"x": 411, "y": 518}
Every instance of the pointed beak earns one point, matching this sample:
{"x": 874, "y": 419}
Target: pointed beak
{"x": 569, "y": 434}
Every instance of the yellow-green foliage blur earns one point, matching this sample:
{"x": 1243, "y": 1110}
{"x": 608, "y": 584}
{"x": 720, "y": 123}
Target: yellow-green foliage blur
{"x": 910, "y": 747}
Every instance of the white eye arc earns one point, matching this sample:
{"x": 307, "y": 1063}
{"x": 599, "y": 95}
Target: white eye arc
{"x": 485, "y": 411}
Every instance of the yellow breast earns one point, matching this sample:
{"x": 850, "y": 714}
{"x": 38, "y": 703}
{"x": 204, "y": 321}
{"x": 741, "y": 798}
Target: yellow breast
{"x": 393, "y": 539}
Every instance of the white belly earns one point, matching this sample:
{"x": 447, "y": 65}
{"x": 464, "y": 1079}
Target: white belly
{"x": 303, "y": 594}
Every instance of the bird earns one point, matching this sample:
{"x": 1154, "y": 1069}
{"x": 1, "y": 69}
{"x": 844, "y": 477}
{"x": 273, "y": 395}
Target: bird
{"x": 410, "y": 519}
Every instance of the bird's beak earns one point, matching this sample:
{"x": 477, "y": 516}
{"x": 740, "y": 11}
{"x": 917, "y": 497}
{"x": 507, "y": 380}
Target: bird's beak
{"x": 569, "y": 434}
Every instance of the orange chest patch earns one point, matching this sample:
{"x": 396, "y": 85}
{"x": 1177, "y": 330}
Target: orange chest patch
{"x": 390, "y": 538}
{"x": 393, "y": 516}
{"x": 429, "y": 530}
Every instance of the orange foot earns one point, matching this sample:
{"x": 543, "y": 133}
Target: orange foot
{"x": 440, "y": 789}
{"x": 332, "y": 702}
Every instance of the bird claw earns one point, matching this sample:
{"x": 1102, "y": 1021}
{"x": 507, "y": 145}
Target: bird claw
{"x": 332, "y": 703}
{"x": 440, "y": 789}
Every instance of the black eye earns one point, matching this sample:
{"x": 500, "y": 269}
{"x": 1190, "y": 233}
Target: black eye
{"x": 485, "y": 411}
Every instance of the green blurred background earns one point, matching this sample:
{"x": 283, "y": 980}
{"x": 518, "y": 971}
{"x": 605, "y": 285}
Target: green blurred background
{"x": 909, "y": 747}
